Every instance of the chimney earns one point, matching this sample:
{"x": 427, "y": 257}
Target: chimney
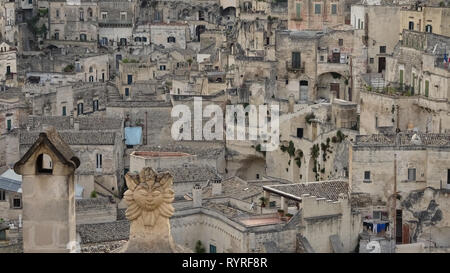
{"x": 217, "y": 187}
{"x": 197, "y": 196}
{"x": 71, "y": 119}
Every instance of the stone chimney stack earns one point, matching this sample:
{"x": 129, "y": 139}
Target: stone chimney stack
{"x": 197, "y": 196}
{"x": 217, "y": 187}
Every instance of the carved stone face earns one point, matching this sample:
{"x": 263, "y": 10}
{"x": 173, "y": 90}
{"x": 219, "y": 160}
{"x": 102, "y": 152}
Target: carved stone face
{"x": 149, "y": 195}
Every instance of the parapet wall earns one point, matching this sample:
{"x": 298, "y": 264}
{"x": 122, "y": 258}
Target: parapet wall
{"x": 95, "y": 210}
{"x": 321, "y": 207}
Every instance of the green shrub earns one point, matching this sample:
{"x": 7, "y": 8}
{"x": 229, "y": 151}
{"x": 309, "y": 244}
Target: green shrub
{"x": 199, "y": 248}
{"x": 93, "y": 194}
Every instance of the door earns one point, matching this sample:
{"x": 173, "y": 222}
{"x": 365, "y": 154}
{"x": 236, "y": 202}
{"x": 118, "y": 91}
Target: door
{"x": 304, "y": 90}
{"x": 118, "y": 58}
{"x": 405, "y": 234}
{"x": 336, "y": 57}
{"x": 212, "y": 249}
{"x": 381, "y": 64}
{"x": 334, "y": 87}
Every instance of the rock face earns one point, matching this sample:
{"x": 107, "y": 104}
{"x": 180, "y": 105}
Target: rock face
{"x": 149, "y": 198}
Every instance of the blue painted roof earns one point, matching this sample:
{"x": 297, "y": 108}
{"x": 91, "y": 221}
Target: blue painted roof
{"x": 9, "y": 184}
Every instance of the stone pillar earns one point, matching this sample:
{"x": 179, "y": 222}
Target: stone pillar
{"x": 267, "y": 196}
{"x": 197, "y": 196}
{"x": 284, "y": 204}
{"x": 216, "y": 187}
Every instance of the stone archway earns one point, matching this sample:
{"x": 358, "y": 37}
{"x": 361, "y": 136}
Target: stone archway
{"x": 332, "y": 82}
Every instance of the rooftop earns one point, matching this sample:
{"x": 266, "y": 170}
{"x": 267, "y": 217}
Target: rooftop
{"x": 322, "y": 189}
{"x": 403, "y": 139}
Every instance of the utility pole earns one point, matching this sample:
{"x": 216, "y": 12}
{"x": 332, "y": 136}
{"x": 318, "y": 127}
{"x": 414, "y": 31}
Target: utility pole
{"x": 394, "y": 201}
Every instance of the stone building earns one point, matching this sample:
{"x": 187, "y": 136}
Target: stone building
{"x": 315, "y": 15}
{"x": 415, "y": 89}
{"x": 380, "y": 25}
{"x": 405, "y": 176}
{"x": 169, "y": 35}
{"x": 116, "y": 20}
{"x": 73, "y": 20}
{"x": 430, "y": 19}
{"x": 8, "y": 64}
{"x": 10, "y": 198}
{"x": 98, "y": 142}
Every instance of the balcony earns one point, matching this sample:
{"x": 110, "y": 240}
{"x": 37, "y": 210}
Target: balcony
{"x": 295, "y": 69}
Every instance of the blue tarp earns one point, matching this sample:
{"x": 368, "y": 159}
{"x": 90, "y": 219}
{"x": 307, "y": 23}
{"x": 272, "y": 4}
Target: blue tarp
{"x": 133, "y": 135}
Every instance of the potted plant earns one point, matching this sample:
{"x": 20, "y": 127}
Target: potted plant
{"x": 280, "y": 213}
{"x": 263, "y": 201}
{"x": 288, "y": 216}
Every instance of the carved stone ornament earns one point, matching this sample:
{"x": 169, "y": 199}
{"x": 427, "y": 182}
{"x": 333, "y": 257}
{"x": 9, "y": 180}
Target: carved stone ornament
{"x": 149, "y": 198}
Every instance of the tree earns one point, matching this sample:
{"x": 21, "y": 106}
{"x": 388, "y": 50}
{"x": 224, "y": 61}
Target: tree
{"x": 199, "y": 248}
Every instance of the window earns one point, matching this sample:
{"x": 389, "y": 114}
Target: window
{"x": 95, "y": 105}
{"x": 104, "y": 15}
{"x": 17, "y": 203}
{"x": 300, "y": 132}
{"x": 341, "y": 42}
{"x": 448, "y": 178}
{"x": 129, "y": 79}
{"x": 56, "y": 35}
{"x": 411, "y": 26}
{"x": 127, "y": 92}
{"x": 81, "y": 15}
{"x": 367, "y": 176}
{"x": 212, "y": 249}
{"x": 137, "y": 39}
{"x": 64, "y": 111}
{"x": 201, "y": 15}
{"x": 8, "y": 125}
{"x": 322, "y": 58}
{"x": 90, "y": 12}
{"x": 371, "y": 60}
{"x": 162, "y": 67}
{"x": 30, "y": 2}
{"x": 2, "y": 195}
{"x": 382, "y": 49}
{"x": 91, "y": 78}
{"x": 91, "y": 69}
{"x": 83, "y": 37}
{"x": 123, "y": 41}
{"x": 80, "y": 108}
{"x": 298, "y": 11}
{"x": 296, "y": 59}
{"x": 44, "y": 164}
{"x": 317, "y": 8}
{"x": 334, "y": 9}
{"x": 428, "y": 28}
{"x": 104, "y": 41}
{"x": 359, "y": 23}
{"x": 99, "y": 161}
{"x": 257, "y": 176}
{"x": 57, "y": 13}
{"x": 171, "y": 39}
{"x": 411, "y": 174}
{"x": 427, "y": 86}
{"x": 123, "y": 16}
{"x": 144, "y": 39}
{"x": 401, "y": 78}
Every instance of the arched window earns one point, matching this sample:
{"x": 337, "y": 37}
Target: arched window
{"x": 44, "y": 164}
{"x": 83, "y": 37}
{"x": 90, "y": 12}
{"x": 171, "y": 39}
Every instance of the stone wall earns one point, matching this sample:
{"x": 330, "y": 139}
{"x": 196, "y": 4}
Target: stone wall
{"x": 95, "y": 210}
